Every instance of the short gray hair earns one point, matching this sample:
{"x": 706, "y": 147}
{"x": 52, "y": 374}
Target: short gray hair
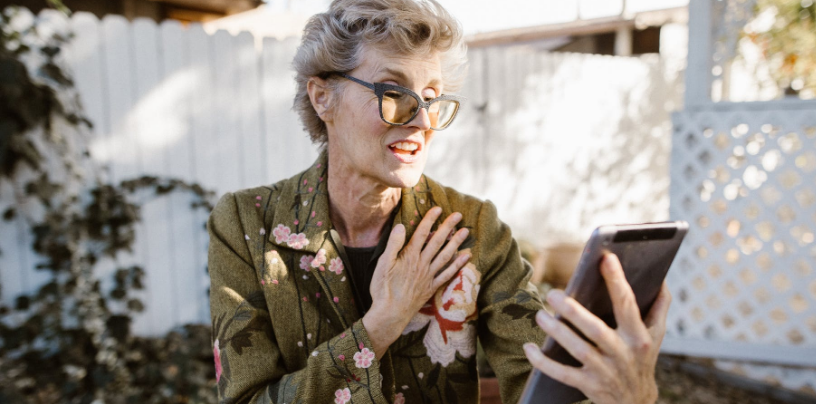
{"x": 333, "y": 42}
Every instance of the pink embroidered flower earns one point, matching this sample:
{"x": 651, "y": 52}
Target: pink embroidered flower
{"x": 262, "y": 231}
{"x": 363, "y": 358}
{"x": 341, "y": 357}
{"x": 298, "y": 241}
{"x": 281, "y": 233}
{"x": 342, "y": 396}
{"x": 275, "y": 281}
{"x": 319, "y": 259}
{"x": 336, "y": 266}
{"x": 217, "y": 355}
{"x": 336, "y": 299}
{"x": 449, "y": 313}
{"x": 305, "y": 261}
{"x": 399, "y": 399}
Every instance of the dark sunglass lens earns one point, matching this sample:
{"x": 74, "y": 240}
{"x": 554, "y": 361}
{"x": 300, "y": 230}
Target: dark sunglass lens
{"x": 398, "y": 107}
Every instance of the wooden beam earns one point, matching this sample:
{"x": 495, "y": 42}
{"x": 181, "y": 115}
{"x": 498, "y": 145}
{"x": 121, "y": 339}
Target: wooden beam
{"x": 579, "y": 27}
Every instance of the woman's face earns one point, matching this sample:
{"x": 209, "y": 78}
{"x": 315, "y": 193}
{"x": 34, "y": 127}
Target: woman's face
{"x": 360, "y": 142}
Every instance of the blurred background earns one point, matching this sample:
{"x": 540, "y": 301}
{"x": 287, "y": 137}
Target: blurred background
{"x": 123, "y": 120}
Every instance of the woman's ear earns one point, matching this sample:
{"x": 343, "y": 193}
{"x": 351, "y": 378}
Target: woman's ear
{"x": 320, "y": 94}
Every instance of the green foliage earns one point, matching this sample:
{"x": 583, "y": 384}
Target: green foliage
{"x": 70, "y": 341}
{"x": 790, "y": 43}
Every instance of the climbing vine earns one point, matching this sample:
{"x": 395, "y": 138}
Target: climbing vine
{"x": 70, "y": 340}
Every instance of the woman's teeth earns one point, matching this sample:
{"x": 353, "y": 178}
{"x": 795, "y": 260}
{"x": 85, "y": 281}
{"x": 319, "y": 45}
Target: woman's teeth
{"x": 405, "y": 146}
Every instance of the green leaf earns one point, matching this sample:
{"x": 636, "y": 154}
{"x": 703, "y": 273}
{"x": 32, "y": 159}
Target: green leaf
{"x": 500, "y": 297}
{"x": 9, "y": 214}
{"x": 433, "y": 376}
{"x": 518, "y": 312}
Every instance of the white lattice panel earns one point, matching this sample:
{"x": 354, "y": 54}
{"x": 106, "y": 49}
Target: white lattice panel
{"x": 745, "y": 279}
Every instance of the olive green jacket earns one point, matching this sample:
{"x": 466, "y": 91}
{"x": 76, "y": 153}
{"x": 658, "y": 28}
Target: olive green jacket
{"x": 286, "y": 328}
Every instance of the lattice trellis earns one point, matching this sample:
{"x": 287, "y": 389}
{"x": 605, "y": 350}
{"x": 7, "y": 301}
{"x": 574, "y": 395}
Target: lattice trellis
{"x": 745, "y": 180}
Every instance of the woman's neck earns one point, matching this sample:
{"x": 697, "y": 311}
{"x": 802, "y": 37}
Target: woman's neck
{"x": 359, "y": 207}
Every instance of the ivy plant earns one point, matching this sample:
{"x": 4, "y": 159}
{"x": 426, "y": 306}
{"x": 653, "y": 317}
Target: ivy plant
{"x": 70, "y": 340}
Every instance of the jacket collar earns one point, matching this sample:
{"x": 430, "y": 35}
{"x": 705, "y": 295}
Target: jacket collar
{"x": 301, "y": 219}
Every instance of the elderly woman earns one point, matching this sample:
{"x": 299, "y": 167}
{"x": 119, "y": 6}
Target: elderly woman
{"x": 360, "y": 279}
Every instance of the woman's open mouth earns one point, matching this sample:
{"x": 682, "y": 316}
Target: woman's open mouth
{"x": 406, "y": 152}
{"x": 404, "y": 148}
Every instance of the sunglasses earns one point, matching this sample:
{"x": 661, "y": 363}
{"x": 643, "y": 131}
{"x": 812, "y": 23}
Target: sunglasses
{"x": 399, "y": 105}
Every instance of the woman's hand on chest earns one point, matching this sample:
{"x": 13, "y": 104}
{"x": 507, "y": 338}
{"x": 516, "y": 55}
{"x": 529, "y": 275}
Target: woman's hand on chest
{"x": 407, "y": 276}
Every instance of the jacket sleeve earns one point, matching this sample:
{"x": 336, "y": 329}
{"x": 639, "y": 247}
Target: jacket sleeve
{"x": 508, "y": 303}
{"x": 249, "y": 366}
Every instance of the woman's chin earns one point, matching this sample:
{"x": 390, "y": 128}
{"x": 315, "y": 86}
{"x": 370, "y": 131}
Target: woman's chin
{"x": 405, "y": 178}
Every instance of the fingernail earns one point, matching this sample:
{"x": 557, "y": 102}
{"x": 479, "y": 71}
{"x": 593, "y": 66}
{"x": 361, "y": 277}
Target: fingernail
{"x": 555, "y": 295}
{"x": 399, "y": 229}
{"x": 465, "y": 232}
{"x": 531, "y": 348}
{"x": 543, "y": 318}
{"x": 465, "y": 258}
{"x": 457, "y": 216}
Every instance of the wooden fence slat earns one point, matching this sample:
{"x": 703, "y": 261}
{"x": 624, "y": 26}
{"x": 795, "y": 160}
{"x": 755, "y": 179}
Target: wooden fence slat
{"x": 250, "y": 113}
{"x": 150, "y": 111}
{"x": 202, "y": 110}
{"x": 228, "y": 136}
{"x": 182, "y": 224}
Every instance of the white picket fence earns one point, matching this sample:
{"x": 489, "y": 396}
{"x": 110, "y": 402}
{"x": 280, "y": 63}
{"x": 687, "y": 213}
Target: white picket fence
{"x": 560, "y": 142}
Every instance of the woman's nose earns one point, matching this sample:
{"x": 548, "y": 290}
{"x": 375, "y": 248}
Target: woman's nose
{"x": 422, "y": 121}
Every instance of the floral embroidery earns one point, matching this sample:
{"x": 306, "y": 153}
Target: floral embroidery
{"x": 363, "y": 358}
{"x": 448, "y": 313}
{"x": 342, "y": 396}
{"x": 217, "y": 355}
{"x": 319, "y": 259}
{"x": 298, "y": 241}
{"x": 341, "y": 357}
{"x": 281, "y": 233}
{"x": 399, "y": 399}
{"x": 336, "y": 266}
{"x": 305, "y": 261}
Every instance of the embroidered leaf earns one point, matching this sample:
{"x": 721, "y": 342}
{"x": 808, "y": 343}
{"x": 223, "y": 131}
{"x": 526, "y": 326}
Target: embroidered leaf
{"x": 216, "y": 331}
{"x": 470, "y": 241}
{"x": 225, "y": 369}
{"x": 473, "y": 372}
{"x": 500, "y": 297}
{"x": 241, "y": 341}
{"x": 433, "y": 376}
{"x": 450, "y": 394}
{"x": 415, "y": 338}
{"x": 258, "y": 300}
{"x": 518, "y": 312}
{"x": 242, "y": 315}
{"x": 289, "y": 389}
{"x": 522, "y": 296}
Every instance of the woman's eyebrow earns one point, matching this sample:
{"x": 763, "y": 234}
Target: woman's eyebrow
{"x": 399, "y": 75}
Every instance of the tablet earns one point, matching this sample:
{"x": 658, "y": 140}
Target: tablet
{"x": 646, "y": 251}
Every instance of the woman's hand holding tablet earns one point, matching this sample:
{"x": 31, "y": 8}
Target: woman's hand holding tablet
{"x": 604, "y": 341}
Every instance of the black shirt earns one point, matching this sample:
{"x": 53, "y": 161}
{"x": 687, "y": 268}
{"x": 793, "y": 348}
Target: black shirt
{"x": 362, "y": 270}
{"x": 361, "y": 262}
